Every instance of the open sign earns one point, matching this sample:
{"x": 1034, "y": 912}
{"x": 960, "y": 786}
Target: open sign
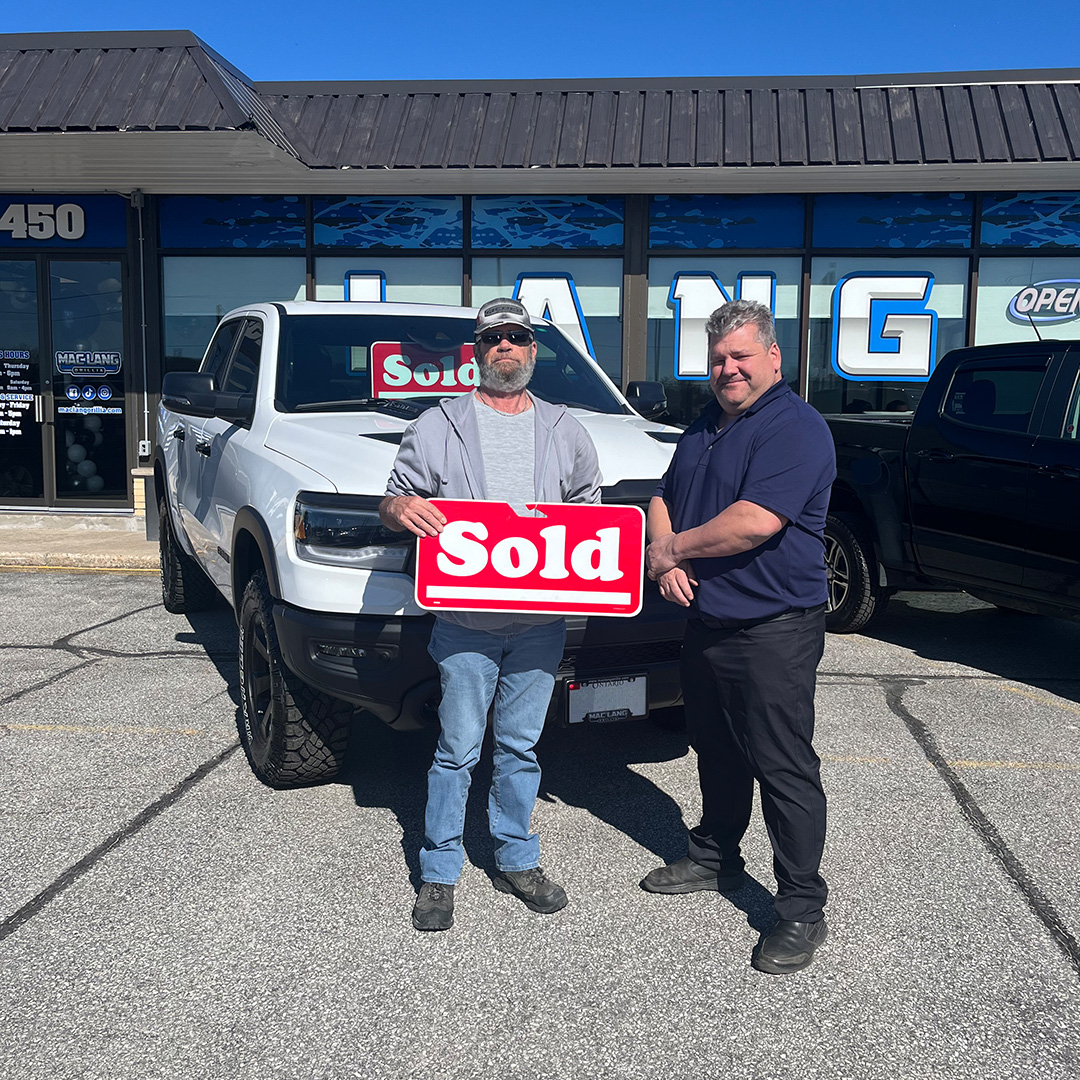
{"x": 402, "y": 369}
{"x": 560, "y": 559}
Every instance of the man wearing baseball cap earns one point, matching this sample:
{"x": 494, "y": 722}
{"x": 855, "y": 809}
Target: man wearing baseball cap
{"x": 498, "y": 443}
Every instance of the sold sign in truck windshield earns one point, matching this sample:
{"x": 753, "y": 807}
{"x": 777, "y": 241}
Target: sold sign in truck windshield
{"x": 401, "y": 370}
{"x": 568, "y": 559}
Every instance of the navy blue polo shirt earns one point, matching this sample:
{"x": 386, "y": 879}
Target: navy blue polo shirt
{"x": 779, "y": 454}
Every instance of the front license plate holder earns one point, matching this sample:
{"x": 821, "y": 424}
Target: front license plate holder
{"x": 607, "y": 700}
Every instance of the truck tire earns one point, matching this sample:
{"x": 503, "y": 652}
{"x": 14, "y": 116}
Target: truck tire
{"x": 293, "y": 735}
{"x": 855, "y": 597}
{"x": 184, "y": 587}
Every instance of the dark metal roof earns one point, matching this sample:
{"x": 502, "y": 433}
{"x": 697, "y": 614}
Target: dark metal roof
{"x": 171, "y": 81}
{"x": 130, "y": 82}
{"x": 685, "y": 126}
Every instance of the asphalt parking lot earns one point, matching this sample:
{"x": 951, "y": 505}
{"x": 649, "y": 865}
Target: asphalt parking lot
{"x": 164, "y": 915}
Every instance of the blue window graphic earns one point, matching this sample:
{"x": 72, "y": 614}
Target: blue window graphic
{"x": 430, "y": 222}
{"x": 1032, "y": 220}
{"x": 503, "y": 221}
{"x": 893, "y": 221}
{"x": 232, "y": 221}
{"x": 726, "y": 221}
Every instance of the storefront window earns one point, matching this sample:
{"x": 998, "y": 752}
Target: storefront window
{"x": 893, "y": 221}
{"x": 726, "y": 221}
{"x": 199, "y": 291}
{"x": 232, "y": 221}
{"x": 511, "y": 221}
{"x": 413, "y": 281}
{"x": 1020, "y": 299}
{"x": 1032, "y": 220}
{"x": 388, "y": 222}
{"x": 692, "y": 288}
{"x": 583, "y": 297}
{"x": 878, "y": 327}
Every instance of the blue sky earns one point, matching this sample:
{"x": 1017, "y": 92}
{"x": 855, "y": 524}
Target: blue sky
{"x": 366, "y": 39}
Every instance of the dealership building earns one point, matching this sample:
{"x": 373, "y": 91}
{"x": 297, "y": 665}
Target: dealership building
{"x": 147, "y": 187}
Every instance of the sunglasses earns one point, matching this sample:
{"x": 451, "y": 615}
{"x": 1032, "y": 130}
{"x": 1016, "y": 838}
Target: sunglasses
{"x": 515, "y": 337}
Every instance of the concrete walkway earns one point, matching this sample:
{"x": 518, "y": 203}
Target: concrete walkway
{"x": 72, "y": 541}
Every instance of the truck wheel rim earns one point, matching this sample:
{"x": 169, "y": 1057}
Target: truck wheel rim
{"x": 257, "y": 670}
{"x": 837, "y": 573}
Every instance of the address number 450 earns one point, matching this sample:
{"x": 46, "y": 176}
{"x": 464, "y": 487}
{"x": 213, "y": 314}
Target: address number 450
{"x": 43, "y": 221}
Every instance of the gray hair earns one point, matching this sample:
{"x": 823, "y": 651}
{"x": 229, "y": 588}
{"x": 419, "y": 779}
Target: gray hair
{"x": 738, "y": 313}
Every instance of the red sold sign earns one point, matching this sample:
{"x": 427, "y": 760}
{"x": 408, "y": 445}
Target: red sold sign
{"x": 574, "y": 559}
{"x": 406, "y": 370}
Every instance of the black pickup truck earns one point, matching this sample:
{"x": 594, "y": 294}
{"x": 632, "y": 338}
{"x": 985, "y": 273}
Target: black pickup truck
{"x": 978, "y": 490}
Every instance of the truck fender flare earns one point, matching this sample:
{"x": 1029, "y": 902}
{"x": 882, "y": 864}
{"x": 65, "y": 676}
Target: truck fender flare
{"x": 248, "y": 520}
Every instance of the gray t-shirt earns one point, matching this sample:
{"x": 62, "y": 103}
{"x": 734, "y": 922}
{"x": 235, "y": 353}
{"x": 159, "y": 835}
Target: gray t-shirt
{"x": 508, "y": 445}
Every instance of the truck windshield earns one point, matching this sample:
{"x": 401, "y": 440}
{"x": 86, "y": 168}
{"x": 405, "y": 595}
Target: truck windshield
{"x": 352, "y": 361}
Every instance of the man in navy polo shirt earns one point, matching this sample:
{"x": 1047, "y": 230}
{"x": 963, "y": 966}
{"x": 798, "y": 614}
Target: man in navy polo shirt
{"x": 736, "y": 536}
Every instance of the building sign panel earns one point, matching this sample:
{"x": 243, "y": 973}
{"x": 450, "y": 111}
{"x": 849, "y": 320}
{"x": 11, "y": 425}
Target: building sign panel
{"x": 62, "y": 221}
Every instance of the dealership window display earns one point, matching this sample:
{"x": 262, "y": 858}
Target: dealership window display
{"x": 198, "y": 290}
{"x": 1021, "y": 298}
{"x": 544, "y": 221}
{"x": 905, "y": 315}
{"x": 582, "y": 295}
{"x": 692, "y": 288}
{"x": 403, "y": 280}
{"x": 1031, "y": 219}
{"x": 893, "y": 220}
{"x": 726, "y": 221}
{"x": 388, "y": 222}
{"x": 232, "y": 221}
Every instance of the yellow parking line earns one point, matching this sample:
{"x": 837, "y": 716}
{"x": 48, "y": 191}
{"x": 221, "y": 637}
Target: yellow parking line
{"x": 11, "y": 568}
{"x": 1042, "y": 699}
{"x": 78, "y": 730}
{"x": 1060, "y": 766}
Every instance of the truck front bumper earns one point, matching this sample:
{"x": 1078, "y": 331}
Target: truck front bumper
{"x": 381, "y": 663}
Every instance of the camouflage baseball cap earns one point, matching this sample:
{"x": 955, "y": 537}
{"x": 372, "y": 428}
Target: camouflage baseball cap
{"x": 502, "y": 311}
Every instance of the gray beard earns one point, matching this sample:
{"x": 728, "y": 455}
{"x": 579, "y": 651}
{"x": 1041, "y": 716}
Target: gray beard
{"x": 507, "y": 382}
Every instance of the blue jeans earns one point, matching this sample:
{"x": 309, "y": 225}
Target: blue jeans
{"x": 515, "y": 669}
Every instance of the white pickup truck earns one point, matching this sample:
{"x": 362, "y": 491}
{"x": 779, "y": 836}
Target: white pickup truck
{"x": 271, "y": 460}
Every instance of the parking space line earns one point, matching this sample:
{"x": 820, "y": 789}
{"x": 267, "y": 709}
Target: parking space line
{"x": 14, "y": 568}
{"x": 1037, "y": 901}
{"x": 1042, "y": 699}
{"x": 72, "y": 874}
{"x": 1060, "y": 766}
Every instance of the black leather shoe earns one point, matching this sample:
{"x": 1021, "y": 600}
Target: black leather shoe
{"x": 434, "y": 907}
{"x": 686, "y": 876}
{"x": 789, "y": 947}
{"x": 532, "y": 888}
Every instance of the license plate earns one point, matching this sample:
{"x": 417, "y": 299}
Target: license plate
{"x": 606, "y": 701}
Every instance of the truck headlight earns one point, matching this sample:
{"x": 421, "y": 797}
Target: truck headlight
{"x": 345, "y": 530}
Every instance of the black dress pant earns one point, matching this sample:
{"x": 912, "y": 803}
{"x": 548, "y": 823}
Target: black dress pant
{"x": 749, "y": 696}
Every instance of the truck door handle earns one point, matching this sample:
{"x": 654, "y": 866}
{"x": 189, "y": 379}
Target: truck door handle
{"x": 178, "y": 432}
{"x": 1066, "y": 472}
{"x": 936, "y": 454}
{"x": 203, "y": 448}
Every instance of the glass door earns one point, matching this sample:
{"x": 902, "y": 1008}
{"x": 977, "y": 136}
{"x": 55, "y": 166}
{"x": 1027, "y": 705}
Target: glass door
{"x": 22, "y": 420}
{"x": 86, "y": 324}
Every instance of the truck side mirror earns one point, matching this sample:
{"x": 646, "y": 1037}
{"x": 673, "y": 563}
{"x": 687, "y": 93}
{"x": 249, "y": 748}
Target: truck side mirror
{"x": 189, "y": 392}
{"x": 647, "y": 398}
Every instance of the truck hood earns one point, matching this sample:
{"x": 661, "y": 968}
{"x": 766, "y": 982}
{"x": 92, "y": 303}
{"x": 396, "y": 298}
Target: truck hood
{"x": 358, "y": 449}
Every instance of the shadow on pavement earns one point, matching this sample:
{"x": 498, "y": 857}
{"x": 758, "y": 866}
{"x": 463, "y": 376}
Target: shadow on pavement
{"x": 590, "y": 768}
{"x": 955, "y": 628}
